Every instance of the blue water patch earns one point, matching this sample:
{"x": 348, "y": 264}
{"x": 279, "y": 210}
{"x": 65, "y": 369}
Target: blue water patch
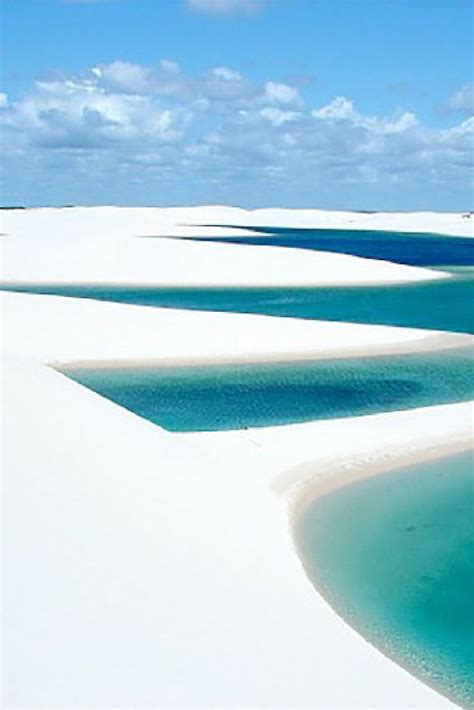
{"x": 394, "y": 555}
{"x": 414, "y": 249}
{"x": 444, "y": 304}
{"x": 211, "y": 398}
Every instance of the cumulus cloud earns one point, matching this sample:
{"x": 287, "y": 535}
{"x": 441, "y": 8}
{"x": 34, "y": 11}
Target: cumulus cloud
{"x": 226, "y": 7}
{"x": 277, "y": 116}
{"x": 461, "y": 101}
{"x": 141, "y": 126}
{"x": 338, "y": 108}
{"x": 282, "y": 94}
{"x": 124, "y": 76}
{"x": 343, "y": 109}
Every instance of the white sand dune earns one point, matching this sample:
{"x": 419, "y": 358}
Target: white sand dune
{"x": 151, "y": 569}
{"x": 71, "y": 223}
{"x": 55, "y": 329}
{"x": 106, "y": 255}
{"x": 423, "y": 222}
{"x": 101, "y": 245}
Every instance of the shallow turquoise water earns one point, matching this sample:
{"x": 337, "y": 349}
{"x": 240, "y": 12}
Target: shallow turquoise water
{"x": 394, "y": 555}
{"x": 439, "y": 305}
{"x": 213, "y": 398}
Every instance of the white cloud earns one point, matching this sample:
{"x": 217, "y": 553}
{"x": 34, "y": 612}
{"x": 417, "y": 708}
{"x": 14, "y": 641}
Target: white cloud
{"x": 125, "y": 76}
{"x": 226, "y": 7}
{"x": 119, "y": 76}
{"x": 124, "y": 123}
{"x": 221, "y": 84}
{"x": 462, "y": 101}
{"x": 277, "y": 116}
{"x": 404, "y": 122}
{"x": 339, "y": 108}
{"x": 167, "y": 65}
{"x": 278, "y": 93}
{"x": 343, "y": 109}
{"x": 226, "y": 74}
{"x": 81, "y": 114}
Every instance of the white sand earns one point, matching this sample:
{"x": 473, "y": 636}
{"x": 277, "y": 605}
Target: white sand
{"x": 54, "y": 329}
{"x": 151, "y": 569}
{"x": 436, "y": 222}
{"x": 101, "y": 245}
{"x": 185, "y": 221}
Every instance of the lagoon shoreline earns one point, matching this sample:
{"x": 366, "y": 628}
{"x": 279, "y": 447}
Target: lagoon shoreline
{"x": 307, "y": 483}
{"x": 330, "y": 484}
{"x": 427, "y": 344}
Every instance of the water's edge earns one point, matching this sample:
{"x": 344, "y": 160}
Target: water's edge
{"x": 303, "y": 497}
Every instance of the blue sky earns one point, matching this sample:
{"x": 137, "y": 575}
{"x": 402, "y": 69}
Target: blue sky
{"x": 300, "y": 103}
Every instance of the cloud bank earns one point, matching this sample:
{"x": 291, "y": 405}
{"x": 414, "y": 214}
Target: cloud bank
{"x": 128, "y": 132}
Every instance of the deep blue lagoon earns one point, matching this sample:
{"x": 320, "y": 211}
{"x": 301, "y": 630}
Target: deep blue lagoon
{"x": 412, "y": 248}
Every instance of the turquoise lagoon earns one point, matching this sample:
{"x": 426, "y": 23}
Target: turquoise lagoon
{"x": 394, "y": 555}
{"x": 211, "y": 398}
{"x": 444, "y": 304}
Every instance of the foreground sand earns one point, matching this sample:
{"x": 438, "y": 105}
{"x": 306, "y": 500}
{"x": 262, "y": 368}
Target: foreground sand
{"x": 151, "y": 569}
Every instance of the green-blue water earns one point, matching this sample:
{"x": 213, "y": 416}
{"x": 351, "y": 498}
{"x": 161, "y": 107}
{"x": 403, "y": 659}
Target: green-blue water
{"x": 445, "y": 304}
{"x": 220, "y": 397}
{"x": 394, "y": 555}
